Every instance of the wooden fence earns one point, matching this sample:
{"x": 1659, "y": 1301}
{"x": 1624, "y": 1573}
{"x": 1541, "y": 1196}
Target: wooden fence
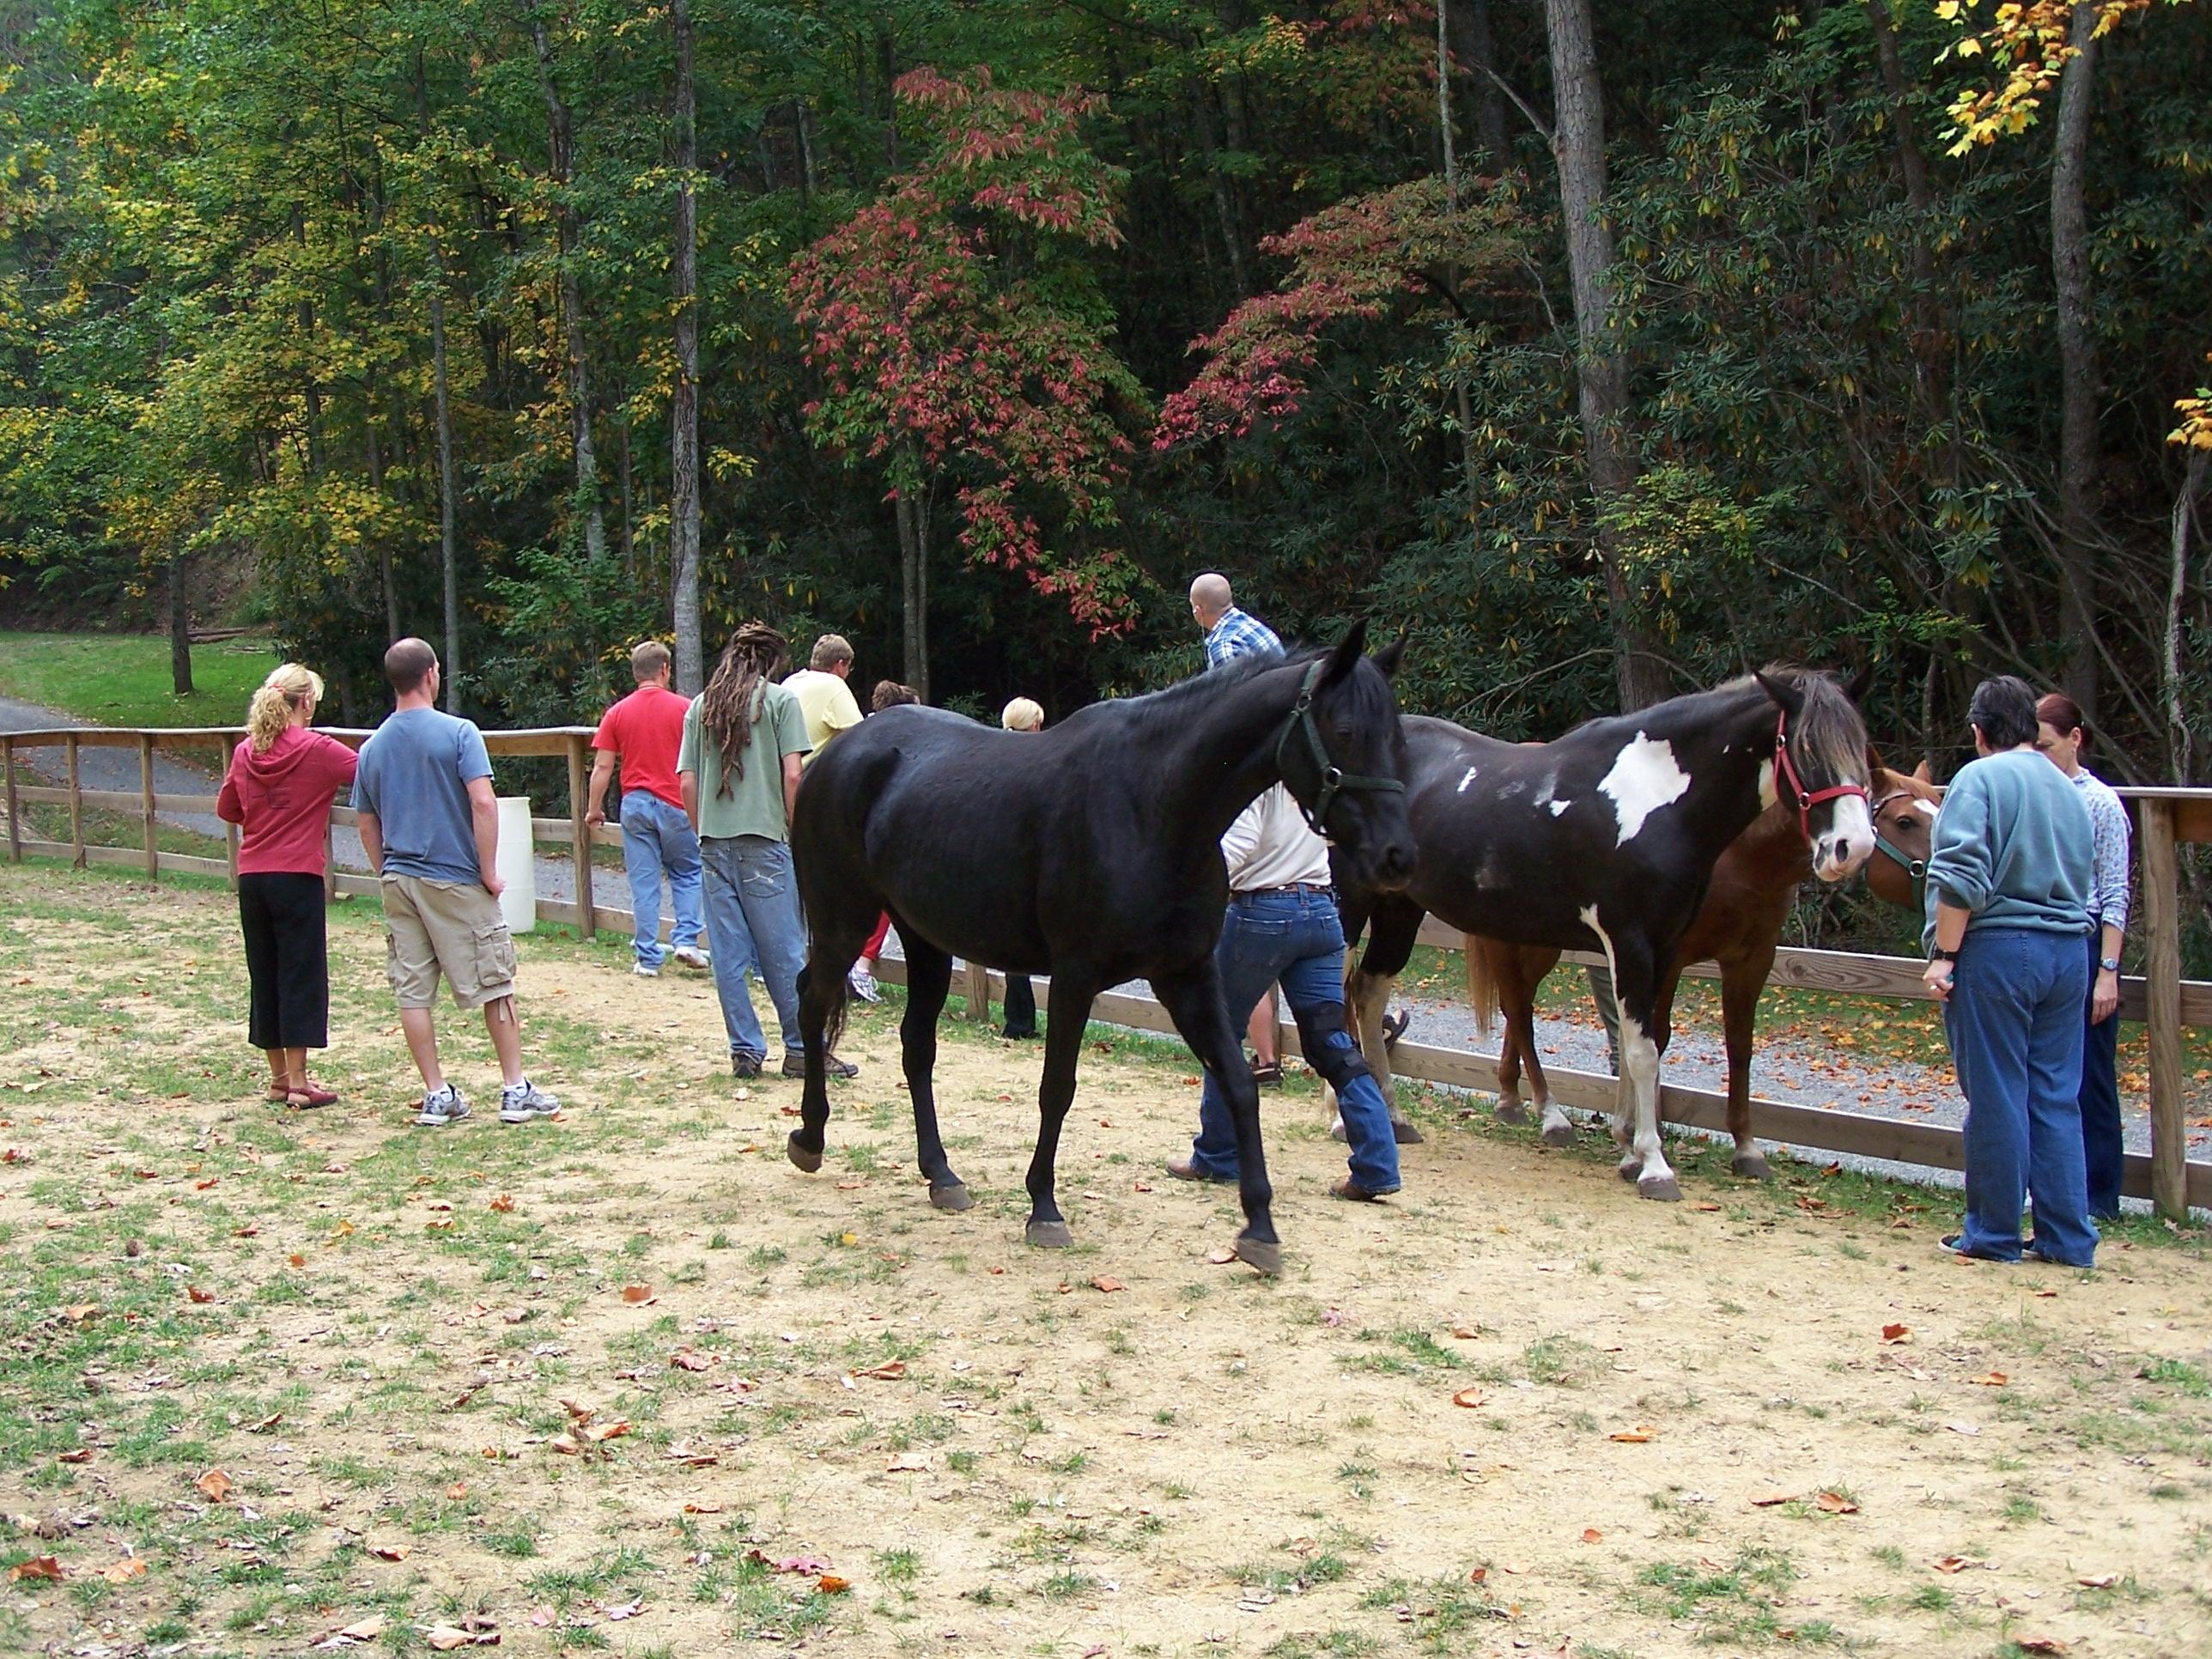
{"x": 2165, "y": 1002}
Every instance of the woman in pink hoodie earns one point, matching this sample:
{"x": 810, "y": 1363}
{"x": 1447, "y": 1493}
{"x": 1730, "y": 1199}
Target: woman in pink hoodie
{"x": 279, "y": 789}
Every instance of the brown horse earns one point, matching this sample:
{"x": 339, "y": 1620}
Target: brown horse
{"x": 1739, "y": 926}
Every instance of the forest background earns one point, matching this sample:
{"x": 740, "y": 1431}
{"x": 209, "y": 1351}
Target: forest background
{"x": 1614, "y": 348}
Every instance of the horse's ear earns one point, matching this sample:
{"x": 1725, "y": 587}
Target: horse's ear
{"x": 1782, "y": 692}
{"x": 1860, "y": 683}
{"x": 1388, "y": 658}
{"x": 1345, "y": 652}
{"x": 1921, "y": 774}
{"x": 1875, "y": 767}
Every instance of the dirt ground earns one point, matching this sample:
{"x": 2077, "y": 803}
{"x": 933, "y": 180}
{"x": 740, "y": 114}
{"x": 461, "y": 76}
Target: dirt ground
{"x": 627, "y": 1381}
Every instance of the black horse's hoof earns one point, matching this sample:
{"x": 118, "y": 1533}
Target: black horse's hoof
{"x": 1264, "y": 1255}
{"x": 1753, "y": 1165}
{"x": 1049, "y": 1235}
{"x": 954, "y": 1197}
{"x": 805, "y": 1159}
{"x": 1512, "y": 1111}
{"x": 1404, "y": 1133}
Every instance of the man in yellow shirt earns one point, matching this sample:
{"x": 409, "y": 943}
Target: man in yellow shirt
{"x": 823, "y": 696}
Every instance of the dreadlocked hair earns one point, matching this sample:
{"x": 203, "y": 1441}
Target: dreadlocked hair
{"x": 729, "y": 706}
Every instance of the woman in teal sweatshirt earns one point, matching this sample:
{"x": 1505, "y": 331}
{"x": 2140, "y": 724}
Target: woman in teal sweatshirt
{"x": 2009, "y": 883}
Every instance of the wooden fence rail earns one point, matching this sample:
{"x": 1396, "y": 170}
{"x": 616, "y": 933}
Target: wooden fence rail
{"x": 2165, "y": 1002}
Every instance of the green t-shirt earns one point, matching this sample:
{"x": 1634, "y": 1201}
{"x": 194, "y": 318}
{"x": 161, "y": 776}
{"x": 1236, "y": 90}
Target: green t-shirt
{"x": 754, "y": 805}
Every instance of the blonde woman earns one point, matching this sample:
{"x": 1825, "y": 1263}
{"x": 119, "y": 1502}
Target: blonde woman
{"x": 278, "y": 792}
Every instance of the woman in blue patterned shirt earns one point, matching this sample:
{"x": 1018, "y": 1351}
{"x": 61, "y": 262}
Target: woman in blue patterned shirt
{"x": 2059, "y": 735}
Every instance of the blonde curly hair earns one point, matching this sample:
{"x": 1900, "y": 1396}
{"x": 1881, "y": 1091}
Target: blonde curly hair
{"x": 287, "y": 688}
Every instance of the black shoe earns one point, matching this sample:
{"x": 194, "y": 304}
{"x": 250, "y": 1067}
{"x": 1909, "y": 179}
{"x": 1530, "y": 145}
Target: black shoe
{"x": 795, "y": 1066}
{"x": 746, "y": 1066}
{"x": 1268, "y": 1077}
{"x": 1394, "y": 1026}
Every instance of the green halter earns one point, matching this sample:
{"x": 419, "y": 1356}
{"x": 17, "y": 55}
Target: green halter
{"x": 1334, "y": 778}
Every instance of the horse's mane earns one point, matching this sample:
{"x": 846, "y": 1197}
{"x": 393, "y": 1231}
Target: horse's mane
{"x": 1169, "y": 707}
{"x": 1828, "y": 731}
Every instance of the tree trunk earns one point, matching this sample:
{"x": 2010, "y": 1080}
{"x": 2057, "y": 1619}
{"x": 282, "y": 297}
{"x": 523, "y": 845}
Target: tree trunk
{"x": 180, "y": 634}
{"x": 1201, "y": 108}
{"x": 447, "y": 550}
{"x": 2078, "y": 368}
{"x": 887, "y": 66}
{"x": 684, "y": 459}
{"x": 383, "y": 572}
{"x": 560, "y": 145}
{"x": 1451, "y": 272}
{"x": 1601, "y": 372}
{"x": 1477, "y": 49}
{"x": 914, "y": 573}
{"x": 2177, "y": 714}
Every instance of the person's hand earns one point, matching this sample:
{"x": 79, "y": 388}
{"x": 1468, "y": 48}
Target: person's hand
{"x": 494, "y": 882}
{"x": 595, "y": 818}
{"x": 1937, "y": 979}
{"x": 2105, "y": 997}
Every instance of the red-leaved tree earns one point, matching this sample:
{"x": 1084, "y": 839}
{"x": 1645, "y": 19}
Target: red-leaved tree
{"x": 960, "y": 347}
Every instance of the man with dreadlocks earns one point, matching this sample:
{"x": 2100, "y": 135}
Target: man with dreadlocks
{"x": 743, "y": 738}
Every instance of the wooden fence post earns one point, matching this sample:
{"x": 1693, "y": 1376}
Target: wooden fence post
{"x": 146, "y": 805}
{"x": 580, "y": 836}
{"x": 76, "y": 805}
{"x": 976, "y": 990}
{"x": 2169, "y": 1138}
{"x": 14, "y": 807}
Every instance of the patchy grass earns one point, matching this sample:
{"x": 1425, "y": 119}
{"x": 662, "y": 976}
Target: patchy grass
{"x": 122, "y": 679}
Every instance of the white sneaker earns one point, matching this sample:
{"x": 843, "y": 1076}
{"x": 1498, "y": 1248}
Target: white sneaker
{"x": 442, "y": 1107}
{"x": 526, "y": 1100}
{"x": 645, "y": 969}
{"x": 691, "y": 957}
{"x": 864, "y": 984}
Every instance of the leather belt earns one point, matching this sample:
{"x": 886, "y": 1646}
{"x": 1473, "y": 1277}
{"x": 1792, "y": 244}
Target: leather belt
{"x": 1292, "y": 887}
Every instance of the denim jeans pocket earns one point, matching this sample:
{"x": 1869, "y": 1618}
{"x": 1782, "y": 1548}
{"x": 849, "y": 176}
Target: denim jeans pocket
{"x": 763, "y": 883}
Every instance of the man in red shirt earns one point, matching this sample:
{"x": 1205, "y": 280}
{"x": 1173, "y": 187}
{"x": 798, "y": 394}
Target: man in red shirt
{"x": 644, "y": 730}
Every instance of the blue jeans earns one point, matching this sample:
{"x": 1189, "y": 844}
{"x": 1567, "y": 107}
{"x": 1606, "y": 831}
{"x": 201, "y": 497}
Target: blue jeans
{"x": 657, "y": 836}
{"x": 752, "y": 924}
{"x": 1295, "y": 940}
{"x": 2103, "y": 1144}
{"x": 2014, "y": 1021}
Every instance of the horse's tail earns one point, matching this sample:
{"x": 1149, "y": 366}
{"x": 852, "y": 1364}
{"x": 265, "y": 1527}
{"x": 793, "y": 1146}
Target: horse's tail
{"x": 839, "y": 998}
{"x": 1482, "y": 992}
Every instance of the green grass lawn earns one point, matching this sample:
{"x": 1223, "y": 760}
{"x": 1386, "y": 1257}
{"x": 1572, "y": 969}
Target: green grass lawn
{"x": 122, "y": 679}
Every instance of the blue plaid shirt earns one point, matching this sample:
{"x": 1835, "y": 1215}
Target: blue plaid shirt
{"x": 1238, "y": 635}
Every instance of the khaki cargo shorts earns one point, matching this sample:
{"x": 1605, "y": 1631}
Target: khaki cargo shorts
{"x": 434, "y": 926}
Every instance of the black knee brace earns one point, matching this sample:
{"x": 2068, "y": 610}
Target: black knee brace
{"x": 1328, "y": 1046}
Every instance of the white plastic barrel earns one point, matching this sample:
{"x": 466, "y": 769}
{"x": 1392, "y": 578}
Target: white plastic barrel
{"x": 517, "y": 863}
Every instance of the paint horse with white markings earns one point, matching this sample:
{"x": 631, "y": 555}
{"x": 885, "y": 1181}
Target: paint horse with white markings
{"x": 1606, "y": 840}
{"x": 1738, "y": 926}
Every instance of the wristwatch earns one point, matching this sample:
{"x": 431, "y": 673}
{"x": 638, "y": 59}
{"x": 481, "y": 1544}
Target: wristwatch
{"x": 2110, "y": 965}
{"x": 1937, "y": 953}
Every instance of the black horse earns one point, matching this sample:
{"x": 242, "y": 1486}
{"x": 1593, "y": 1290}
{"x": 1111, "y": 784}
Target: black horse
{"x": 1606, "y": 840}
{"x": 1090, "y": 852}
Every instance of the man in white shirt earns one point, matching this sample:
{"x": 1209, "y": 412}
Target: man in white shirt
{"x": 1282, "y": 927}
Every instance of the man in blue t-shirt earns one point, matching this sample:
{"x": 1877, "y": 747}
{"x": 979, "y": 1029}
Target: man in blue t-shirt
{"x": 430, "y": 827}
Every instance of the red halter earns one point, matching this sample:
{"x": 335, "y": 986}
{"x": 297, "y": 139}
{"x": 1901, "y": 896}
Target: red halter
{"x": 1806, "y": 799}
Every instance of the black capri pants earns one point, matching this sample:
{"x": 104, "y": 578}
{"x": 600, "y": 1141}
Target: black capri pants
{"x": 287, "y": 960}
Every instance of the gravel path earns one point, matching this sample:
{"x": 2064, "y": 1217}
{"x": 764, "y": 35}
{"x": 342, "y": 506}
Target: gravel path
{"x": 1782, "y": 1070}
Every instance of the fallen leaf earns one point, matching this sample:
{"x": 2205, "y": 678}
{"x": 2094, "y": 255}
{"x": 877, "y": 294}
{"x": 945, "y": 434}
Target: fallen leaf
{"x": 504, "y": 1203}
{"x": 889, "y": 1371}
{"x": 637, "y": 1294}
{"x": 830, "y": 1584}
{"x": 122, "y": 1571}
{"x": 1768, "y": 1500}
{"x": 541, "y": 1617}
{"x": 445, "y": 1638}
{"x": 201, "y": 1185}
{"x": 445, "y": 1225}
{"x": 193, "y": 1292}
{"x": 567, "y": 1445}
{"x": 1591, "y": 1534}
{"x": 296, "y": 1260}
{"x": 457, "y": 1491}
{"x": 391, "y": 1552}
{"x": 1954, "y": 1564}
{"x": 809, "y": 1565}
{"x": 1108, "y": 1285}
{"x": 266, "y": 1423}
{"x": 1964, "y": 1428}
{"x": 367, "y": 1630}
{"x": 1219, "y": 1256}
{"x": 2040, "y": 1644}
{"x": 604, "y": 1431}
{"x": 1477, "y": 1575}
{"x": 77, "y": 1313}
{"x": 708, "y": 1508}
{"x": 343, "y": 1230}
{"x": 81, "y": 1455}
{"x": 908, "y": 1462}
{"x": 1895, "y": 1333}
{"x": 1836, "y": 1503}
{"x": 216, "y": 1484}
{"x": 1635, "y": 1437}
{"x": 1705, "y": 1206}
{"x": 623, "y": 1610}
{"x": 2099, "y": 1581}
{"x": 690, "y": 1359}
{"x": 1991, "y": 1380}
{"x": 38, "y": 1566}
{"x": 1469, "y": 1398}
